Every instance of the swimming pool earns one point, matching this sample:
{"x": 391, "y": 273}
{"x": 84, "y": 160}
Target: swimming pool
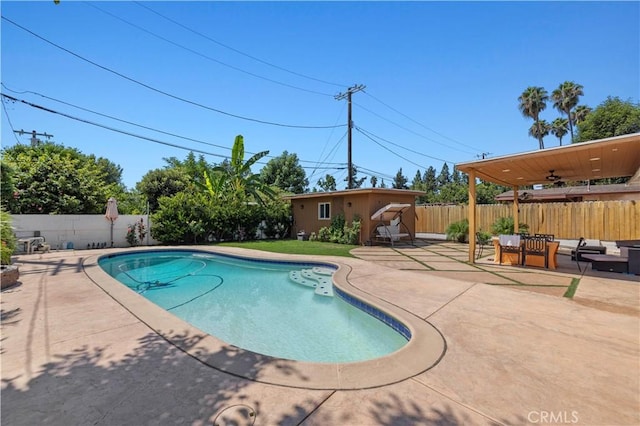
{"x": 262, "y": 306}
{"x": 423, "y": 351}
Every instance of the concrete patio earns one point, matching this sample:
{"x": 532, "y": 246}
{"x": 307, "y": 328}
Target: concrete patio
{"x": 517, "y": 352}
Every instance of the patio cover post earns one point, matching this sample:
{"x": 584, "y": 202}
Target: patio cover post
{"x": 472, "y": 215}
{"x": 516, "y": 211}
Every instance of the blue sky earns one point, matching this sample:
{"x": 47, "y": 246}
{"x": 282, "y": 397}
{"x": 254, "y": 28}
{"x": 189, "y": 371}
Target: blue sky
{"x": 442, "y": 78}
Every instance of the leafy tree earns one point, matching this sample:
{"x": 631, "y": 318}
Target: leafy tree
{"x": 113, "y": 172}
{"x": 162, "y": 183}
{"x": 486, "y": 192}
{"x": 400, "y": 181}
{"x": 328, "y": 183}
{"x": 539, "y": 130}
{"x": 285, "y": 173}
{"x": 51, "y": 178}
{"x": 193, "y": 167}
{"x": 613, "y": 117}
{"x": 531, "y": 103}
{"x": 382, "y": 184}
{"x": 453, "y": 193}
{"x": 565, "y": 98}
{"x": 7, "y": 237}
{"x": 132, "y": 202}
{"x": 559, "y": 128}
{"x": 7, "y": 186}
{"x": 374, "y": 181}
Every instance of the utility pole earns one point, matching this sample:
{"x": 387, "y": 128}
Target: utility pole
{"x": 353, "y": 89}
{"x": 34, "y": 141}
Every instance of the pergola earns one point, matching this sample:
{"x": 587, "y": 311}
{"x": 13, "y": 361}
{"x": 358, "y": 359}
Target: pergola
{"x": 605, "y": 158}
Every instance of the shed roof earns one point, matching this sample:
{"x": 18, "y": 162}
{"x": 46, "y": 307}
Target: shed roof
{"x": 387, "y": 191}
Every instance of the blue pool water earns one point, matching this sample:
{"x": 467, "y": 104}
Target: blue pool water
{"x": 255, "y": 305}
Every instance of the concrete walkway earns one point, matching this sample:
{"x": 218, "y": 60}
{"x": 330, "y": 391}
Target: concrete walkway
{"x": 517, "y": 351}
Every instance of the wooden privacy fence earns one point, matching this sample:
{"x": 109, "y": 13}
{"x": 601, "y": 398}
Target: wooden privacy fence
{"x": 601, "y": 220}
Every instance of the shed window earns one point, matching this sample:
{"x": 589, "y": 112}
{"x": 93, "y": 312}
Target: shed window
{"x": 324, "y": 211}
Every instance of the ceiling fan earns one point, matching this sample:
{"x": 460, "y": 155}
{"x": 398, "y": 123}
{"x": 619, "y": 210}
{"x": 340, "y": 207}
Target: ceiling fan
{"x": 553, "y": 177}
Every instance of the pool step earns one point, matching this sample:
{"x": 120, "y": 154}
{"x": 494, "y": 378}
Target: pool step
{"x": 318, "y": 278}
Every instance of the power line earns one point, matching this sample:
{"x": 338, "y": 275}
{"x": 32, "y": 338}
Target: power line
{"x": 420, "y": 124}
{"x": 113, "y": 129}
{"x": 147, "y": 127}
{"x": 326, "y": 165}
{"x": 366, "y": 133}
{"x": 4, "y": 107}
{"x": 329, "y": 138}
{"x": 331, "y": 153}
{"x": 163, "y": 92}
{"x": 373, "y": 172}
{"x": 202, "y": 55}
{"x": 411, "y": 131}
{"x": 236, "y": 50}
{"x": 390, "y": 150}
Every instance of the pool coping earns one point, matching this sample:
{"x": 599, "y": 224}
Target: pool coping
{"x": 425, "y": 349}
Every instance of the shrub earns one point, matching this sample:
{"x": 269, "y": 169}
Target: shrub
{"x": 339, "y": 232}
{"x": 195, "y": 218}
{"x": 136, "y": 233}
{"x": 7, "y": 237}
{"x": 484, "y": 237}
{"x": 458, "y": 231}
{"x": 276, "y": 216}
{"x": 504, "y": 226}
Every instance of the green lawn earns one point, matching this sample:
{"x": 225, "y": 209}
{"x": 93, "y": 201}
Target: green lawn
{"x": 315, "y": 248}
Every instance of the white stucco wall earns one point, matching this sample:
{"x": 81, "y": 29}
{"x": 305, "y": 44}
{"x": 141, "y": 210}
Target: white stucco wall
{"x": 80, "y": 230}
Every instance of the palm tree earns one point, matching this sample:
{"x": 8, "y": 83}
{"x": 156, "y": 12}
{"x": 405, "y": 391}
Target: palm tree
{"x": 565, "y": 98}
{"x": 533, "y": 101}
{"x": 559, "y": 128}
{"x": 580, "y": 113}
{"x": 539, "y": 130}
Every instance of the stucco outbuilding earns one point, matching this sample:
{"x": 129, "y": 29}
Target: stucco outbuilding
{"x": 315, "y": 210}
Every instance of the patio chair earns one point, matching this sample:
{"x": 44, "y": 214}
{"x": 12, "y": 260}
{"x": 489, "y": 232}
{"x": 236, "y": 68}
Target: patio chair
{"x": 509, "y": 244}
{"x": 548, "y": 237}
{"x": 481, "y": 241}
{"x": 575, "y": 254}
{"x": 535, "y": 248}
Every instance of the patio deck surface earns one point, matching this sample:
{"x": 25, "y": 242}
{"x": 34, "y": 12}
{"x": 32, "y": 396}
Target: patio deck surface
{"x": 517, "y": 352}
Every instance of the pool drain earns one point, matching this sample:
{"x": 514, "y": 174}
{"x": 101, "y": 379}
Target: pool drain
{"x": 236, "y": 415}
